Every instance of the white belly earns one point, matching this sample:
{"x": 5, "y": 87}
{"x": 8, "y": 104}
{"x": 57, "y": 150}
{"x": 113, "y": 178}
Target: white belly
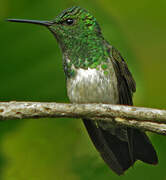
{"x": 93, "y": 86}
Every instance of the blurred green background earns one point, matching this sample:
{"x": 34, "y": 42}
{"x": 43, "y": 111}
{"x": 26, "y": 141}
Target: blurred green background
{"x": 31, "y": 70}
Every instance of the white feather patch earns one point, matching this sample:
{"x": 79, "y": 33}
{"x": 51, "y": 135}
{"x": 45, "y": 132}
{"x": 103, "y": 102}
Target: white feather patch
{"x": 93, "y": 86}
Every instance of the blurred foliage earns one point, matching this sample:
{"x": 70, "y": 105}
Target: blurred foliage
{"x": 31, "y": 69}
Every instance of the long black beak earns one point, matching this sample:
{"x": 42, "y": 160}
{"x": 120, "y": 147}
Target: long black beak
{"x": 42, "y": 23}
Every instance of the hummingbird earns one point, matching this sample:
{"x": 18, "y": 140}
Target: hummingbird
{"x": 97, "y": 73}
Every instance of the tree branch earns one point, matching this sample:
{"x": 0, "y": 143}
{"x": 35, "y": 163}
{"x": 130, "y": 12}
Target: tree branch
{"x": 147, "y": 119}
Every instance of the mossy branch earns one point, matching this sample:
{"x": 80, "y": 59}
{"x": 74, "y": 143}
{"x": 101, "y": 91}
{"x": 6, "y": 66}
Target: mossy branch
{"x": 147, "y": 119}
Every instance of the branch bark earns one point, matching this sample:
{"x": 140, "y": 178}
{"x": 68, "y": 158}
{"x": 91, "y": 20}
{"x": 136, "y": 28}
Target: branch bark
{"x": 147, "y": 119}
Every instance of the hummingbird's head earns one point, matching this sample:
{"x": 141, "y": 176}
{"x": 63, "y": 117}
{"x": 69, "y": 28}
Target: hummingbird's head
{"x": 72, "y": 27}
{"x": 74, "y": 24}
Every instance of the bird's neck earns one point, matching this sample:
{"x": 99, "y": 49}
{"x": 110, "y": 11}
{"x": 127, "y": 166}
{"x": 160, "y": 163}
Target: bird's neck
{"x": 85, "y": 53}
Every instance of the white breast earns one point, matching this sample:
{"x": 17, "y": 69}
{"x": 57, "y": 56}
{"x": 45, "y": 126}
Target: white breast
{"x": 93, "y": 86}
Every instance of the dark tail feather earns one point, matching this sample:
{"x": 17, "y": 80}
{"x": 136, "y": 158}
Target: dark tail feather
{"x": 116, "y": 153}
{"x": 143, "y": 148}
{"x": 113, "y": 151}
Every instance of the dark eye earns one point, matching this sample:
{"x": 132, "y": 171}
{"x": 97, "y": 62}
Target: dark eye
{"x": 69, "y": 21}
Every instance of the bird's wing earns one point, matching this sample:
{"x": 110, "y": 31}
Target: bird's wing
{"x": 126, "y": 87}
{"x": 126, "y": 83}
